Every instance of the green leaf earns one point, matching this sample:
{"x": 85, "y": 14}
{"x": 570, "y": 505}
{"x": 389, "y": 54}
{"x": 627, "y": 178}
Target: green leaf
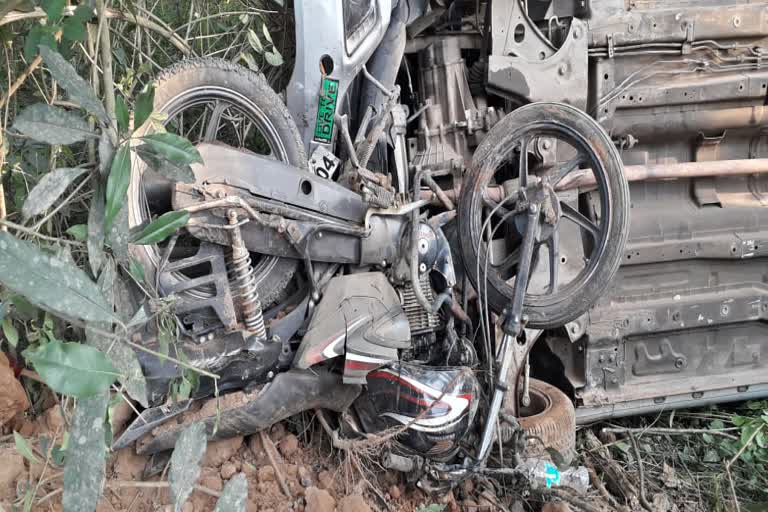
{"x": 85, "y": 466}
{"x": 79, "y": 90}
{"x": 23, "y": 447}
{"x": 249, "y": 61}
{"x": 162, "y": 227}
{"x": 161, "y": 165}
{"x": 145, "y": 103}
{"x": 434, "y": 507}
{"x": 39, "y": 35}
{"x": 50, "y": 283}
{"x": 72, "y": 369}
{"x": 53, "y": 8}
{"x": 73, "y": 27}
{"x": 52, "y": 125}
{"x": 711, "y": 456}
{"x": 123, "y": 117}
{"x": 761, "y": 439}
{"x": 48, "y": 190}
{"x": 118, "y": 235}
{"x": 557, "y": 458}
{"x": 29, "y": 498}
{"x": 274, "y": 58}
{"x": 185, "y": 463}
{"x": 106, "y": 154}
{"x": 117, "y": 184}
{"x": 4, "y": 310}
{"x": 96, "y": 232}
{"x": 267, "y": 35}
{"x": 234, "y": 495}
{"x": 254, "y": 41}
{"x": 10, "y": 332}
{"x": 707, "y": 438}
{"x": 79, "y": 232}
{"x": 136, "y": 270}
{"x": 716, "y": 425}
{"x": 119, "y": 353}
{"x": 739, "y": 420}
{"x": 173, "y": 148}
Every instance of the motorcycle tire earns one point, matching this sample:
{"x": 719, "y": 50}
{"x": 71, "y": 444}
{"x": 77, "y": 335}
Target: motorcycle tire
{"x": 217, "y": 77}
{"x": 549, "y": 422}
{"x": 561, "y": 307}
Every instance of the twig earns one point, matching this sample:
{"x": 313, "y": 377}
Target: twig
{"x": 21, "y": 79}
{"x": 27, "y": 72}
{"x": 22, "y": 229}
{"x": 672, "y": 431}
{"x": 569, "y": 498}
{"x": 600, "y": 486}
{"x": 139, "y": 21}
{"x": 31, "y": 375}
{"x": 2, "y": 191}
{"x": 643, "y": 500}
{"x": 733, "y": 487}
{"x": 178, "y": 362}
{"x": 269, "y": 447}
{"x": 122, "y": 484}
{"x": 744, "y": 446}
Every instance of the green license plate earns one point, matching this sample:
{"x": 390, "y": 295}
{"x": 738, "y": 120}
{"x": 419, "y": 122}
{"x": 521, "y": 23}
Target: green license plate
{"x": 326, "y": 108}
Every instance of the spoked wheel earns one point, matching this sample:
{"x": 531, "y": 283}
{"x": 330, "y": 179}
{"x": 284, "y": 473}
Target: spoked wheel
{"x": 210, "y": 100}
{"x": 523, "y": 165}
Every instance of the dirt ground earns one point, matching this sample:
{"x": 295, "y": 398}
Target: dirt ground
{"x": 307, "y": 474}
{"x": 317, "y": 481}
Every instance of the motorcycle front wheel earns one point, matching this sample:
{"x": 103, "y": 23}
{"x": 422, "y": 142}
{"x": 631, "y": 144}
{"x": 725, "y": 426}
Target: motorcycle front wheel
{"x": 212, "y": 100}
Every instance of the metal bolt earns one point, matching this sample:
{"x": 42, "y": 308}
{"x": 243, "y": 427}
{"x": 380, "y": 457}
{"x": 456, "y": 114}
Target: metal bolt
{"x": 601, "y": 359}
{"x": 533, "y": 208}
{"x": 270, "y": 375}
{"x": 422, "y": 267}
{"x": 724, "y": 310}
{"x": 546, "y": 143}
{"x": 319, "y": 234}
{"x": 561, "y": 71}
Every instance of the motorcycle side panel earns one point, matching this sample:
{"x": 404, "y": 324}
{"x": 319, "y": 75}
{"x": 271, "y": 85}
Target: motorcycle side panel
{"x": 359, "y": 316}
{"x": 271, "y": 179}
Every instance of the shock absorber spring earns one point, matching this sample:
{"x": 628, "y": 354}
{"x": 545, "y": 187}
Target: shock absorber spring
{"x": 243, "y": 281}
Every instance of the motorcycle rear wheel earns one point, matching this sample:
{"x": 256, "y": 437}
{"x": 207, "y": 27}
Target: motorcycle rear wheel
{"x": 212, "y": 100}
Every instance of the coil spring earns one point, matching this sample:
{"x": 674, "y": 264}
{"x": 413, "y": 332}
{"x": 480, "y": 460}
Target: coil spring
{"x": 243, "y": 282}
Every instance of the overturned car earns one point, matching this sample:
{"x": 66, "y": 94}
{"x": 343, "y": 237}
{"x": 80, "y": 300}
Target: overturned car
{"x": 468, "y": 222}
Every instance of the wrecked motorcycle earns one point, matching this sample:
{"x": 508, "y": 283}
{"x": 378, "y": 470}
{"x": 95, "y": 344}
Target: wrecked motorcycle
{"x": 385, "y": 245}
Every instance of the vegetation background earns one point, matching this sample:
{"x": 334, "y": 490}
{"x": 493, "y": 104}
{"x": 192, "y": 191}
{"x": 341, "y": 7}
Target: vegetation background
{"x": 75, "y": 84}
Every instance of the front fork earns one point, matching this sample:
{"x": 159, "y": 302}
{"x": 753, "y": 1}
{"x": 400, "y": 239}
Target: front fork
{"x": 516, "y": 341}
